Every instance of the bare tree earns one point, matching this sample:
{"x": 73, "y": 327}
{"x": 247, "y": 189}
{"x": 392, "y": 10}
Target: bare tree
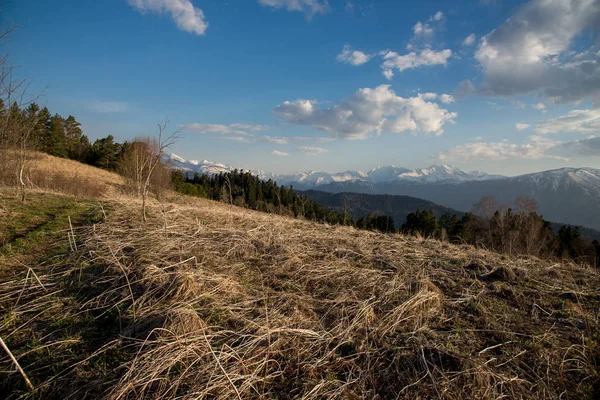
{"x": 485, "y": 207}
{"x": 142, "y": 161}
{"x": 16, "y": 124}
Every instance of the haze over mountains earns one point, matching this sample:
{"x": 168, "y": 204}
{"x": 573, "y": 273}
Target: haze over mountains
{"x": 566, "y": 195}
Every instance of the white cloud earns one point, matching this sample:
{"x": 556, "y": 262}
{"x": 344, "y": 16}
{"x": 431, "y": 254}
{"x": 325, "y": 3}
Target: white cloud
{"x": 530, "y": 52}
{"x": 312, "y": 151}
{"x": 108, "y": 106}
{"x": 353, "y": 57}
{"x": 535, "y": 149}
{"x": 388, "y": 73}
{"x": 428, "y": 96}
{"x": 413, "y": 60}
{"x": 422, "y": 30}
{"x": 522, "y": 127}
{"x": 232, "y": 129}
{"x": 280, "y": 153}
{"x": 425, "y": 30}
{"x": 308, "y": 7}
{"x": 579, "y": 121}
{"x": 446, "y": 98}
{"x": 465, "y": 88}
{"x": 367, "y": 112}
{"x": 469, "y": 40}
{"x": 187, "y": 17}
{"x": 437, "y": 16}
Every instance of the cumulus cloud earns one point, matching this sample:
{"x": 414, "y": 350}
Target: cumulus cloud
{"x": 426, "y": 30}
{"x": 521, "y": 127}
{"x": 108, "y": 106}
{"x": 280, "y": 153}
{"x": 187, "y": 17}
{"x": 231, "y": 129}
{"x": 312, "y": 151}
{"x": 446, "y": 98}
{"x": 422, "y": 30}
{"x": 469, "y": 40}
{"x": 308, "y": 7}
{"x": 353, "y": 57}
{"x": 578, "y": 121}
{"x": 530, "y": 52}
{"x": 583, "y": 147}
{"x": 388, "y": 73}
{"x": 437, "y": 16}
{"x": 367, "y": 112}
{"x": 413, "y": 59}
{"x": 535, "y": 149}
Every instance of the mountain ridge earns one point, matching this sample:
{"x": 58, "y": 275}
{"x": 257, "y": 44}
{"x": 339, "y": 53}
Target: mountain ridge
{"x": 314, "y": 178}
{"x": 562, "y": 194}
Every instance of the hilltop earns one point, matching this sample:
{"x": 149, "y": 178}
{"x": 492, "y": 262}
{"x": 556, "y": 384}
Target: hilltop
{"x": 208, "y": 300}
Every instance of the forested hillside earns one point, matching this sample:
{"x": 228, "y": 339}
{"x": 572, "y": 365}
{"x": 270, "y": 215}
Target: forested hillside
{"x": 359, "y": 205}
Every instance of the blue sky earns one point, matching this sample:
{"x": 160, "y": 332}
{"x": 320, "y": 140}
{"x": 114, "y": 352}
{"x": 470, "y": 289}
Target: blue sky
{"x": 283, "y": 85}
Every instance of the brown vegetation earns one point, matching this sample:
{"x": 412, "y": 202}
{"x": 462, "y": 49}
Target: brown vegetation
{"x": 42, "y": 171}
{"x": 231, "y": 303}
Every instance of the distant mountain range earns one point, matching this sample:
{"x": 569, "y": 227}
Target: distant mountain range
{"x": 566, "y": 195}
{"x": 314, "y": 179}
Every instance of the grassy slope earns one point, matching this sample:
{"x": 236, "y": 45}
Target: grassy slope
{"x": 231, "y": 303}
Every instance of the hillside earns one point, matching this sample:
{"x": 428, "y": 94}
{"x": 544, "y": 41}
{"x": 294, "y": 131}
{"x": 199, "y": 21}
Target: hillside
{"x": 214, "y": 301}
{"x": 561, "y": 194}
{"x": 65, "y": 176}
{"x": 359, "y": 205}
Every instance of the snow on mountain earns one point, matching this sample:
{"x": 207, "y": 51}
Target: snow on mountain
{"x": 203, "y": 167}
{"x": 587, "y": 179}
{"x": 444, "y": 173}
{"x": 386, "y": 174}
{"x": 310, "y": 179}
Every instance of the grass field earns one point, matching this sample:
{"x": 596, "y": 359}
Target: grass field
{"x": 213, "y": 301}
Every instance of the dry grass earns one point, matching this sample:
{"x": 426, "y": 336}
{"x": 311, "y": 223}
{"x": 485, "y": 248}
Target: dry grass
{"x": 65, "y": 176}
{"x": 231, "y": 303}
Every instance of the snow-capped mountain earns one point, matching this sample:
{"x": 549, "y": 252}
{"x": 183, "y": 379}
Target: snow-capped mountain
{"x": 202, "y": 167}
{"x": 314, "y": 179}
{"x": 566, "y": 195}
{"x": 439, "y": 173}
{"x": 585, "y": 179}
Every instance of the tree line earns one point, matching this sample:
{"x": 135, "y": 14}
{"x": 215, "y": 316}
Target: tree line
{"x": 244, "y": 189}
{"x": 59, "y": 136}
{"x": 501, "y": 229}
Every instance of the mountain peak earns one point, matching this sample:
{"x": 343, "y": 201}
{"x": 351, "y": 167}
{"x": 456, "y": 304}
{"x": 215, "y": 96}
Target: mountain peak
{"x": 314, "y": 178}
